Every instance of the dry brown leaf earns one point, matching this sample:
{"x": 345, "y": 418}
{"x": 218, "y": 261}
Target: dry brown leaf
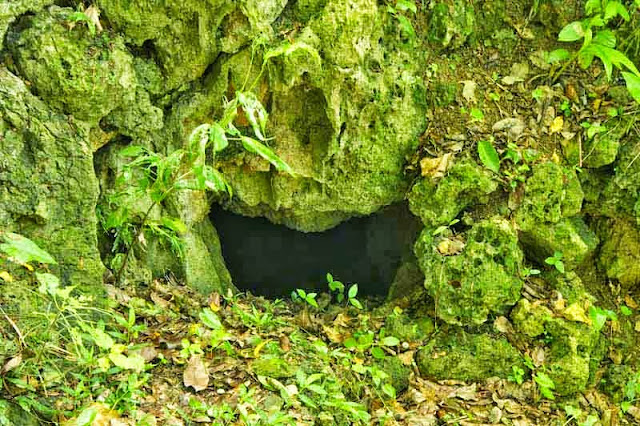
{"x": 628, "y": 300}
{"x": 196, "y": 374}
{"x": 12, "y": 363}
{"x": 435, "y": 167}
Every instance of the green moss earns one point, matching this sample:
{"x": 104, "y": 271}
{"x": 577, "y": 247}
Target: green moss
{"x": 276, "y": 368}
{"x": 451, "y": 23}
{"x": 619, "y": 255}
{"x": 615, "y": 379}
{"x": 597, "y": 152}
{"x": 551, "y": 194}
{"x": 48, "y": 189}
{"x": 439, "y": 202}
{"x": 574, "y": 349}
{"x": 11, "y": 415}
{"x": 529, "y": 318}
{"x": 343, "y": 116}
{"x": 397, "y": 371}
{"x": 409, "y": 329}
{"x": 84, "y": 75}
{"x": 482, "y": 278}
{"x": 572, "y": 237}
{"x": 460, "y": 355}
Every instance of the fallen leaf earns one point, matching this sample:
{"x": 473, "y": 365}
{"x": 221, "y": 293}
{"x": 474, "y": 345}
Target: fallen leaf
{"x": 12, "y": 363}
{"x": 556, "y": 125}
{"x": 630, "y": 302}
{"x": 503, "y": 325}
{"x": 576, "y": 312}
{"x": 469, "y": 90}
{"x": 435, "y": 167}
{"x": 4, "y": 275}
{"x": 196, "y": 374}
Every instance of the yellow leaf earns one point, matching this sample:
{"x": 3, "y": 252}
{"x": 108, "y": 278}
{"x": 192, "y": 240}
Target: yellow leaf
{"x": 576, "y": 312}
{"x": 6, "y": 276}
{"x": 556, "y": 125}
{"x": 29, "y": 267}
{"x": 256, "y": 351}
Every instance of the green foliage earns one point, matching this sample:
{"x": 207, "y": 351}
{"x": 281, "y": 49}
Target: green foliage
{"x": 545, "y": 384}
{"x": 598, "y": 41}
{"x": 309, "y": 298}
{"x": 600, "y": 316}
{"x": 22, "y": 250}
{"x": 513, "y": 166}
{"x": 405, "y": 25}
{"x": 517, "y": 375}
{"x": 489, "y": 156}
{"x": 79, "y": 350}
{"x": 556, "y": 261}
{"x": 154, "y": 176}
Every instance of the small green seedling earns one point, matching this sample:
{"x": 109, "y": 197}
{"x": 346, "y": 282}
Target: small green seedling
{"x": 309, "y": 298}
{"x": 517, "y": 375}
{"x": 556, "y": 261}
{"x": 545, "y": 384}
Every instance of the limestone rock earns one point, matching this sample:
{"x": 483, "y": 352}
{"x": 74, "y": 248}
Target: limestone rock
{"x": 48, "y": 189}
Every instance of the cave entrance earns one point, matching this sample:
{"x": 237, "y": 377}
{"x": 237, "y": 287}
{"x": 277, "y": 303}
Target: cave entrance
{"x": 272, "y": 260}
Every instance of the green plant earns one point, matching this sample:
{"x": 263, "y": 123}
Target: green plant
{"x": 513, "y": 167}
{"x": 545, "y": 384}
{"x": 631, "y": 392}
{"x": 338, "y": 288}
{"x": 599, "y": 317}
{"x": 310, "y": 298}
{"x": 556, "y": 261}
{"x": 404, "y": 23}
{"x": 598, "y": 41}
{"x": 517, "y": 375}
{"x": 576, "y": 415}
{"x": 157, "y": 177}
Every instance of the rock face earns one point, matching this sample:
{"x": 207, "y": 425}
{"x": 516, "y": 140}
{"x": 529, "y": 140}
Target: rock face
{"x": 48, "y": 189}
{"x": 474, "y": 275}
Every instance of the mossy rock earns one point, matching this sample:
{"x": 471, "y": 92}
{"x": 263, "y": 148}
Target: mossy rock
{"x": 552, "y": 193}
{"x": 451, "y": 23}
{"x": 346, "y": 139}
{"x": 599, "y": 151}
{"x": 48, "y": 187}
{"x": 397, "y": 371}
{"x": 615, "y": 379}
{"x": 571, "y": 237}
{"x": 483, "y": 277}
{"x": 619, "y": 254}
{"x": 181, "y": 36}
{"x": 409, "y": 329}
{"x": 459, "y": 355}
{"x": 76, "y": 72}
{"x": 439, "y": 202}
{"x": 573, "y": 349}
{"x": 276, "y": 368}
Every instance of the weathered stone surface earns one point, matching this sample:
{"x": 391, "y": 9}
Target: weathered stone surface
{"x": 9, "y": 11}
{"x": 438, "y": 203}
{"x": 48, "y": 189}
{"x": 575, "y": 349}
{"x": 548, "y": 216}
{"x": 344, "y": 119}
{"x": 73, "y": 71}
{"x": 459, "y": 355}
{"x": 472, "y": 275}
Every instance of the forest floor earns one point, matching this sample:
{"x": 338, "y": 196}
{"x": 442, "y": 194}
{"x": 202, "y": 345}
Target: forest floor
{"x": 247, "y": 360}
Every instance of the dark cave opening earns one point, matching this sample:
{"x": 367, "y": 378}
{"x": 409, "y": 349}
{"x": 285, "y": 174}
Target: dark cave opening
{"x": 272, "y": 260}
